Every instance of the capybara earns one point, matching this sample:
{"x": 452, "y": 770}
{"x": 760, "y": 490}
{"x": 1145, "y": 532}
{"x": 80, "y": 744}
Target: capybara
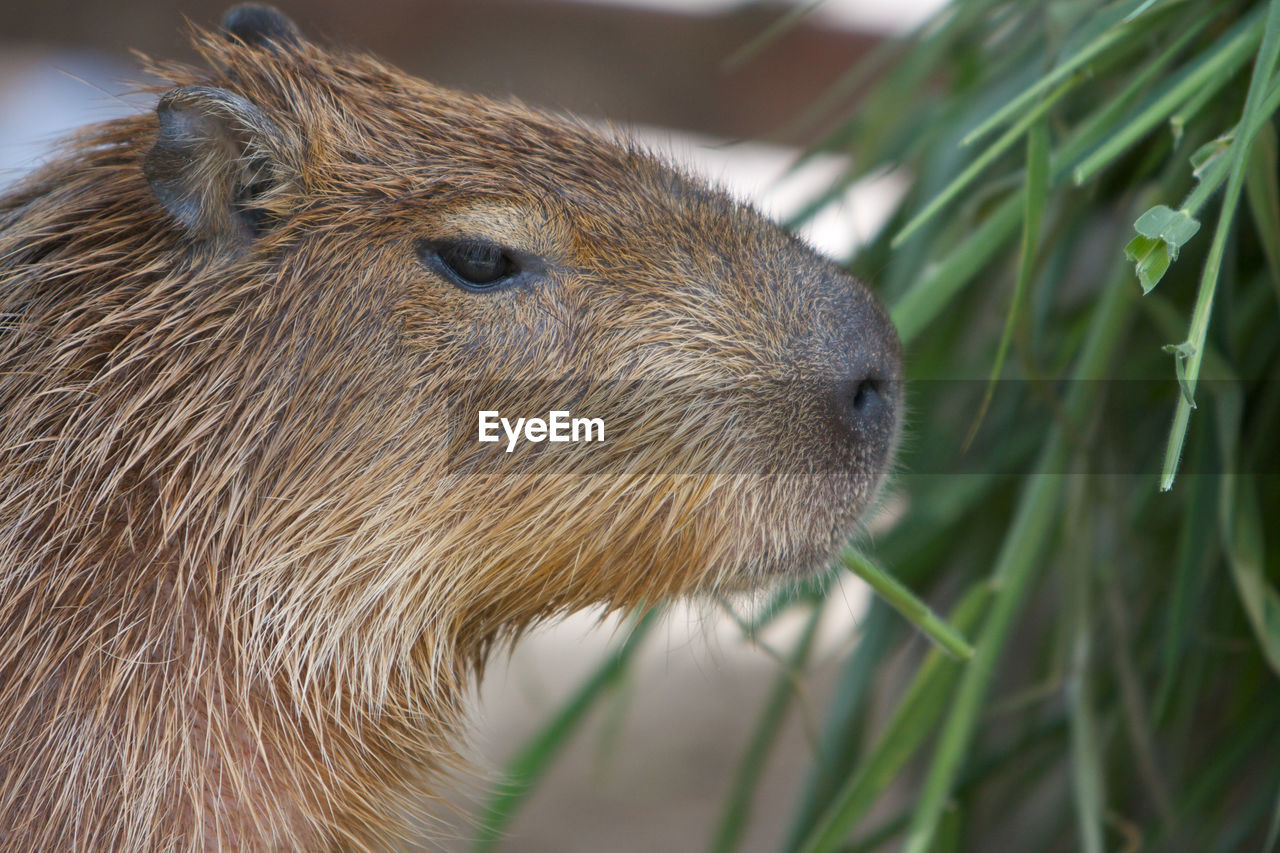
{"x": 253, "y": 552}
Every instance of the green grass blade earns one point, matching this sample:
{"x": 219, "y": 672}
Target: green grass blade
{"x": 776, "y": 30}
{"x": 982, "y": 161}
{"x": 918, "y": 53}
{"x": 1015, "y": 569}
{"x": 1211, "y": 175}
{"x": 971, "y": 778}
{"x": 1241, "y": 522}
{"x": 1253, "y": 116}
{"x": 1101, "y": 124}
{"x": 1012, "y": 576}
{"x": 1100, "y": 45}
{"x": 1037, "y": 194}
{"x": 1262, "y": 190}
{"x": 1165, "y": 723}
{"x": 1153, "y": 253}
{"x": 944, "y": 278}
{"x": 1146, "y": 4}
{"x": 781, "y": 600}
{"x": 912, "y": 723}
{"x": 1238, "y": 531}
{"x": 1086, "y": 762}
{"x": 1191, "y": 575}
{"x": 535, "y": 758}
{"x": 840, "y": 742}
{"x": 949, "y": 830}
{"x": 1178, "y": 121}
{"x": 905, "y": 602}
{"x": 1218, "y": 770}
{"x": 1212, "y": 70}
{"x": 931, "y": 295}
{"x": 733, "y": 821}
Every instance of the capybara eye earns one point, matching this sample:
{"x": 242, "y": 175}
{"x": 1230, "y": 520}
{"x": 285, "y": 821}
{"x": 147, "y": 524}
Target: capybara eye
{"x": 474, "y": 265}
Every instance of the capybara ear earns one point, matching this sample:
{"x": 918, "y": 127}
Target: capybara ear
{"x": 260, "y": 25}
{"x": 219, "y": 165}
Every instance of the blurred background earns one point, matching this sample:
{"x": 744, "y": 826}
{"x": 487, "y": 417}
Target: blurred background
{"x": 650, "y": 770}
{"x": 652, "y": 62}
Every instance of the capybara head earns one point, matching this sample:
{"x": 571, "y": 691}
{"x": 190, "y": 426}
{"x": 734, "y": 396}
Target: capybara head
{"x": 247, "y": 343}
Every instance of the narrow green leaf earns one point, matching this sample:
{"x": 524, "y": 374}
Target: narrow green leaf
{"x": 1210, "y": 177}
{"x": 1012, "y": 575}
{"x": 1191, "y": 576}
{"x": 1101, "y": 124}
{"x": 982, "y": 769}
{"x": 776, "y": 30}
{"x": 1241, "y": 522}
{"x": 949, "y": 830}
{"x": 1037, "y": 183}
{"x": 1147, "y": 4}
{"x": 1210, "y": 163}
{"x": 1254, "y": 109}
{"x": 1086, "y": 763}
{"x": 1016, "y": 567}
{"x": 1100, "y": 45}
{"x": 905, "y": 602}
{"x": 1218, "y": 771}
{"x": 1211, "y": 70}
{"x": 1187, "y": 111}
{"x": 945, "y": 277}
{"x": 912, "y": 724}
{"x": 535, "y": 758}
{"x": 918, "y": 55}
{"x": 982, "y": 161}
{"x": 1262, "y": 190}
{"x": 840, "y": 745}
{"x": 733, "y": 821}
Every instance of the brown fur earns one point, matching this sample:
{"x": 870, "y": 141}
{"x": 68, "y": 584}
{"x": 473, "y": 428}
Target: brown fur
{"x": 251, "y": 554}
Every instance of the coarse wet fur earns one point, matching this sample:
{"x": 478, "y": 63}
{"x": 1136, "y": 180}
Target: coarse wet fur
{"x": 252, "y": 554}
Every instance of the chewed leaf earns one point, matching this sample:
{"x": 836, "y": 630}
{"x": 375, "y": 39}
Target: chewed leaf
{"x": 1175, "y": 227}
{"x": 1161, "y": 233}
{"x": 1150, "y": 258}
{"x": 1181, "y": 353}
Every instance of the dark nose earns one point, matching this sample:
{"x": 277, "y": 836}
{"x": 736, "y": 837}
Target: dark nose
{"x": 867, "y": 386}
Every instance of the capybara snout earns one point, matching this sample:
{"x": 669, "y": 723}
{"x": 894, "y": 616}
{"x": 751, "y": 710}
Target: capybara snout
{"x": 866, "y": 375}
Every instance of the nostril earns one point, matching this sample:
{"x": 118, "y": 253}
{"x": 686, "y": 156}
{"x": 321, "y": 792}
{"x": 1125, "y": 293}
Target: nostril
{"x": 865, "y": 395}
{"x": 864, "y": 407}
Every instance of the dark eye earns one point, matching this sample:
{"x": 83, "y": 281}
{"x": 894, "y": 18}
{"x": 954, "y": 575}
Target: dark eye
{"x": 473, "y": 265}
